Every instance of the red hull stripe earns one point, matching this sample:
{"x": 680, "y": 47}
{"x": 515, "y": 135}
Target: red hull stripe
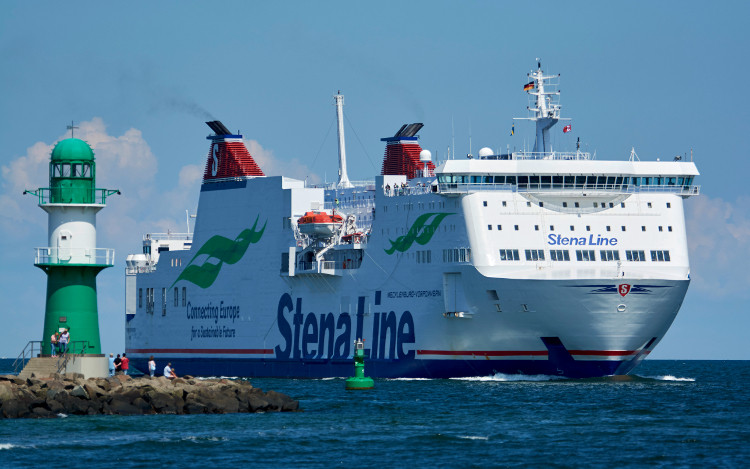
{"x": 229, "y": 351}
{"x": 512, "y": 353}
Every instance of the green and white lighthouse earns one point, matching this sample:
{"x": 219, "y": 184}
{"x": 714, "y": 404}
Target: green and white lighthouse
{"x": 71, "y": 259}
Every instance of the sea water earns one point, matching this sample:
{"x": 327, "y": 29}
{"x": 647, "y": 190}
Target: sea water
{"x": 669, "y": 414}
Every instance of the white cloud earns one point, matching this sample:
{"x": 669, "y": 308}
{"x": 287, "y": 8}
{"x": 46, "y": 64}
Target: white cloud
{"x": 719, "y": 240}
{"x": 271, "y": 166}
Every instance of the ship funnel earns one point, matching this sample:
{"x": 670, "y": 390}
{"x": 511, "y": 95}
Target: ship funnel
{"x": 343, "y": 177}
{"x": 402, "y": 153}
{"x": 228, "y": 156}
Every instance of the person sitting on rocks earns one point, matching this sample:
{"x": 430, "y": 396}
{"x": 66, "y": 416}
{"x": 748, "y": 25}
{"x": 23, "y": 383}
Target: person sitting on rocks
{"x": 169, "y": 371}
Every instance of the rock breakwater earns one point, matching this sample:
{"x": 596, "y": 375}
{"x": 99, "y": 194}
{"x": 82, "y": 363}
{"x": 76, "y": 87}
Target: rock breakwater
{"x": 124, "y": 395}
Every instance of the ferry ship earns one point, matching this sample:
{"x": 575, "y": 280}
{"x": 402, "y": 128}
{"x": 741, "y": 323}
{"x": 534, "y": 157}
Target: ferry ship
{"x": 525, "y": 262}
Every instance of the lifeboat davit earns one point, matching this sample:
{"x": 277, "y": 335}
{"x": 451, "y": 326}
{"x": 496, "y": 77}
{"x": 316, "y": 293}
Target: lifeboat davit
{"x": 319, "y": 224}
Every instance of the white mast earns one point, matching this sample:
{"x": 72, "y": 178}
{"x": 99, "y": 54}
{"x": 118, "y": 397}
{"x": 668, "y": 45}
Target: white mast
{"x": 546, "y": 112}
{"x": 343, "y": 177}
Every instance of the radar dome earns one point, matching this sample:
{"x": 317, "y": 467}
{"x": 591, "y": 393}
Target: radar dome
{"x": 425, "y": 156}
{"x": 485, "y": 152}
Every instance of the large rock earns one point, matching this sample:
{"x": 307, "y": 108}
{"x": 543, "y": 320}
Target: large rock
{"x": 123, "y": 395}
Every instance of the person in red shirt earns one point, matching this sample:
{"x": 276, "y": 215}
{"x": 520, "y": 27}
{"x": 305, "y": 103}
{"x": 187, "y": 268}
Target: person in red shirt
{"x": 125, "y": 364}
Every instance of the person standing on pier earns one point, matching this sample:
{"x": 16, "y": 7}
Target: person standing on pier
{"x": 53, "y": 345}
{"x": 125, "y": 364}
{"x": 151, "y": 366}
{"x": 64, "y": 339}
{"x": 111, "y": 364}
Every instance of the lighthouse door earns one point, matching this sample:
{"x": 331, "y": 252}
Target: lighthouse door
{"x": 64, "y": 245}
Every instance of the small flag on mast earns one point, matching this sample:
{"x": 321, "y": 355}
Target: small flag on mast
{"x": 528, "y": 86}
{"x": 512, "y": 129}
{"x": 567, "y": 129}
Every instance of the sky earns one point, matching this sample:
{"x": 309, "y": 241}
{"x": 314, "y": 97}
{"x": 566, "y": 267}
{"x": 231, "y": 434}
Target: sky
{"x": 139, "y": 79}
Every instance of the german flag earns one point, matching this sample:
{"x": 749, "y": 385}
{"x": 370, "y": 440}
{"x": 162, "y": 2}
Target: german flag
{"x": 528, "y": 86}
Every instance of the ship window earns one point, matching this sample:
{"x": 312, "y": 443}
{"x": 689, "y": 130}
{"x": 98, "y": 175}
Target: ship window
{"x": 534, "y": 254}
{"x": 499, "y": 179}
{"x": 622, "y": 204}
{"x": 649, "y": 205}
{"x": 608, "y": 255}
{"x": 528, "y": 204}
{"x": 669, "y": 205}
{"x": 176, "y": 297}
{"x": 484, "y": 203}
{"x": 565, "y": 204}
{"x": 523, "y": 180}
{"x": 618, "y": 181}
{"x": 516, "y": 227}
{"x": 509, "y": 255}
{"x": 580, "y": 181}
{"x": 635, "y": 256}
{"x": 660, "y": 256}
{"x": 611, "y": 205}
{"x": 635, "y": 181}
{"x": 557, "y": 182}
{"x": 622, "y": 227}
{"x": 140, "y": 297}
{"x": 643, "y": 228}
{"x": 541, "y": 204}
{"x": 536, "y": 227}
{"x": 572, "y": 228}
{"x": 552, "y": 227}
{"x": 499, "y": 227}
{"x": 489, "y": 227}
{"x": 661, "y": 228}
{"x": 569, "y": 181}
{"x": 596, "y": 204}
{"x": 669, "y": 228}
{"x": 505, "y": 204}
{"x": 609, "y": 228}
{"x": 559, "y": 255}
{"x": 546, "y": 181}
{"x": 577, "y": 204}
{"x": 534, "y": 181}
{"x": 585, "y": 255}
{"x": 588, "y": 228}
{"x": 611, "y": 181}
{"x": 591, "y": 180}
{"x": 510, "y": 180}
{"x": 163, "y": 301}
{"x": 184, "y": 296}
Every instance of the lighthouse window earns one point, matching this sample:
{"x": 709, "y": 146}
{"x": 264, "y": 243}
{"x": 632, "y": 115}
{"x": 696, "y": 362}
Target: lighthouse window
{"x": 65, "y": 170}
{"x": 585, "y": 255}
{"x": 176, "y": 297}
{"x": 559, "y": 255}
{"x": 608, "y": 255}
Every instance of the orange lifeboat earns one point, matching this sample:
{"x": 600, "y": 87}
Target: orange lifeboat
{"x": 319, "y": 224}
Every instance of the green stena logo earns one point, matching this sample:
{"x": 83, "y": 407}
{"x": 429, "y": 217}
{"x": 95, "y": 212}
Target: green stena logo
{"x": 221, "y": 249}
{"x": 420, "y": 231}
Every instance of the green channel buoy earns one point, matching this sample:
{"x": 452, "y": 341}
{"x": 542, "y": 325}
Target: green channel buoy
{"x": 359, "y": 381}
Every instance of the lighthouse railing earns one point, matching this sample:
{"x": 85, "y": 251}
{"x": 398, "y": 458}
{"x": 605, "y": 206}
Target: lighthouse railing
{"x": 72, "y": 195}
{"x": 32, "y": 349}
{"x": 78, "y": 256}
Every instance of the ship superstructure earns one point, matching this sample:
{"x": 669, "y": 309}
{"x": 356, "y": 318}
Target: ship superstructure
{"x": 538, "y": 262}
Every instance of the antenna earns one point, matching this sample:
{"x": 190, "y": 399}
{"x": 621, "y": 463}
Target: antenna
{"x": 72, "y": 128}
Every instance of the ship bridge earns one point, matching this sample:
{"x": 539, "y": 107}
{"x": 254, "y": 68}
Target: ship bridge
{"x": 567, "y": 175}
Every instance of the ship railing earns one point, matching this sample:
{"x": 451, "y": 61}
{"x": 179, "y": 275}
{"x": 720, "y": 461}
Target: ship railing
{"x": 79, "y": 256}
{"x": 322, "y": 266}
{"x": 396, "y": 190}
{"x": 32, "y": 349}
{"x": 168, "y": 236}
{"x": 359, "y": 203}
{"x": 140, "y": 269}
{"x": 367, "y": 185}
{"x": 72, "y": 195}
{"x": 460, "y": 188}
{"x": 553, "y": 155}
